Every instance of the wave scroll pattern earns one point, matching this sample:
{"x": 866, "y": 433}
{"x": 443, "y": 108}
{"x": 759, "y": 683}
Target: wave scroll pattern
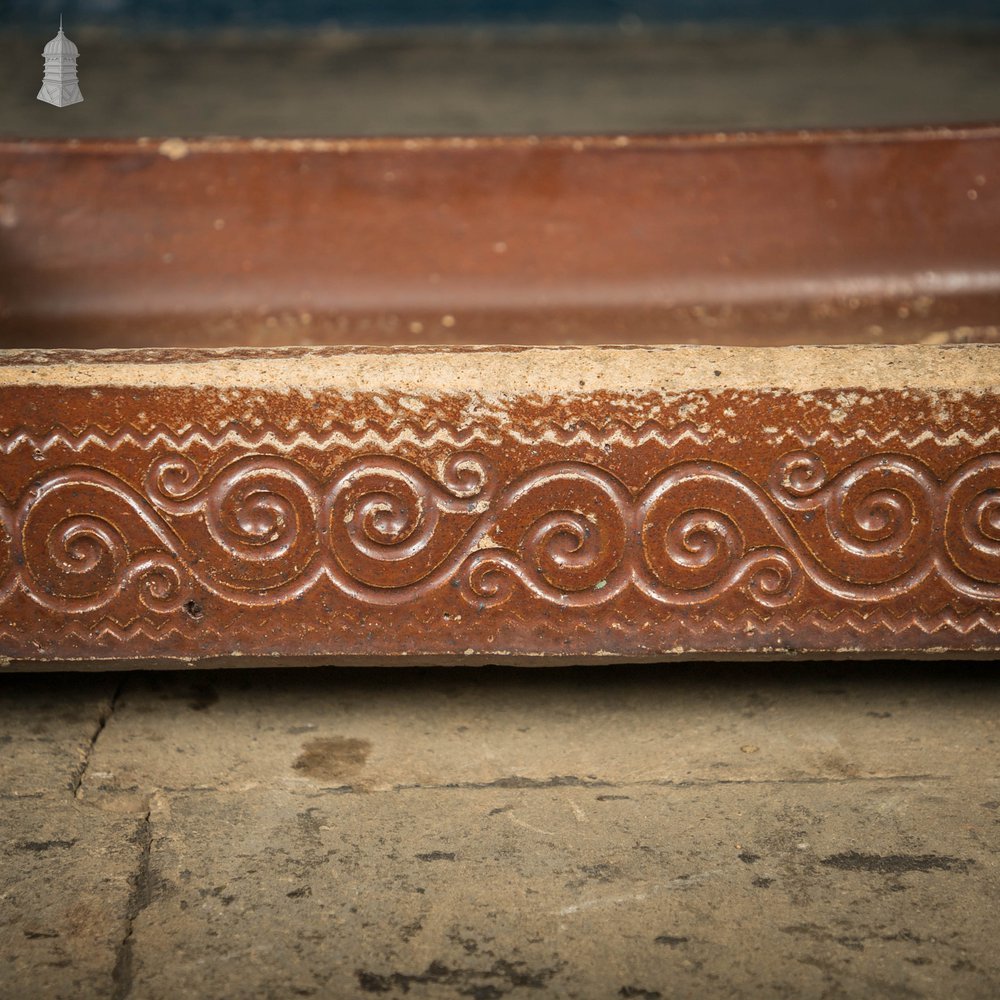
{"x": 263, "y": 529}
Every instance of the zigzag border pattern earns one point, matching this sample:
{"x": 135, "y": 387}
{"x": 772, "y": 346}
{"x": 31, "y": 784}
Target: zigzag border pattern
{"x": 370, "y": 434}
{"x": 107, "y": 631}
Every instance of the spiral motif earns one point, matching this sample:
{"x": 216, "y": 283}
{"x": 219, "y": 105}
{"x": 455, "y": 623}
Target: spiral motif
{"x": 702, "y": 540}
{"x": 257, "y": 509}
{"x": 864, "y": 519}
{"x": 869, "y": 520}
{"x": 387, "y": 513}
{"x": 261, "y": 510}
{"x": 468, "y": 476}
{"x": 563, "y": 532}
{"x": 81, "y": 561}
{"x": 392, "y": 511}
{"x": 982, "y": 522}
{"x": 172, "y": 484}
{"x": 258, "y": 512}
{"x": 84, "y": 555}
{"x": 972, "y": 525}
{"x": 772, "y": 577}
{"x": 161, "y": 584}
{"x": 489, "y": 578}
{"x": 691, "y": 549}
{"x": 795, "y": 477}
{"x": 878, "y": 515}
{"x": 561, "y": 545}
{"x": 702, "y": 554}
{"x": 262, "y": 530}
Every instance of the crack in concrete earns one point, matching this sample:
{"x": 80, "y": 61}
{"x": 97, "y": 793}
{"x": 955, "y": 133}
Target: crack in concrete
{"x": 76, "y": 786}
{"x": 518, "y": 782}
{"x": 139, "y": 898}
{"x": 564, "y": 781}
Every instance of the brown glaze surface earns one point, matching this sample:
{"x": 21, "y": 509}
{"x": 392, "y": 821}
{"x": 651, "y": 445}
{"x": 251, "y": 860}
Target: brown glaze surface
{"x": 569, "y": 503}
{"x": 378, "y": 500}
{"x": 863, "y": 237}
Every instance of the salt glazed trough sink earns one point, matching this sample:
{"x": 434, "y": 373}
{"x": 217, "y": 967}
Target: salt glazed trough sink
{"x": 499, "y": 400}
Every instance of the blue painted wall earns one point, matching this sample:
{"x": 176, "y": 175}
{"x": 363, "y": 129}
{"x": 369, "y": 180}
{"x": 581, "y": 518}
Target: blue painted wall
{"x": 410, "y": 13}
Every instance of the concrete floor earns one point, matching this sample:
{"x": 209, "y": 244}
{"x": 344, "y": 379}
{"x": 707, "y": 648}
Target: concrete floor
{"x": 813, "y": 830}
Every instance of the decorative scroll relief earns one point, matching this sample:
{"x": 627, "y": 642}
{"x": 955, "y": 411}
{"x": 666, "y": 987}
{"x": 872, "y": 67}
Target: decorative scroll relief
{"x": 263, "y": 530}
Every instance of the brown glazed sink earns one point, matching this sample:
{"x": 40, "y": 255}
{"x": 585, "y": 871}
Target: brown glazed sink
{"x": 486, "y": 400}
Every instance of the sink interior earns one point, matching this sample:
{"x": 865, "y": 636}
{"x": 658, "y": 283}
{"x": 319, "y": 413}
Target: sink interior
{"x": 757, "y": 239}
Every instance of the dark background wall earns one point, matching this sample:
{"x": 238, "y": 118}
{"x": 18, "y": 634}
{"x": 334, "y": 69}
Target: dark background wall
{"x": 367, "y": 14}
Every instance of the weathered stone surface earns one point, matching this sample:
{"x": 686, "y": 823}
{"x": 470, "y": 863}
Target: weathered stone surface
{"x": 777, "y": 890}
{"x": 69, "y": 879}
{"x": 47, "y": 728}
{"x": 385, "y": 729}
{"x": 691, "y": 832}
